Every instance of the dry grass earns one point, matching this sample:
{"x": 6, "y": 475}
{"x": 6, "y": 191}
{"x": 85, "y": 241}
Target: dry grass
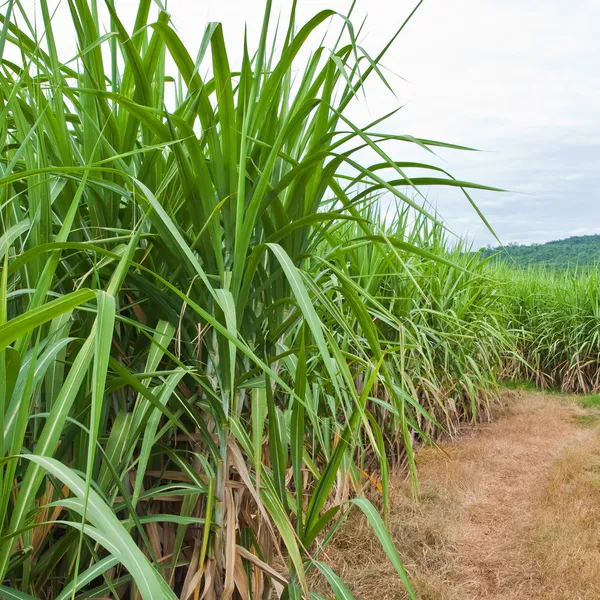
{"x": 513, "y": 513}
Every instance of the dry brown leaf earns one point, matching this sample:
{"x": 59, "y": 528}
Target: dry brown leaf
{"x": 241, "y": 578}
{"x": 238, "y": 462}
{"x": 193, "y": 574}
{"x": 209, "y": 590}
{"x": 230, "y": 550}
{"x": 263, "y": 566}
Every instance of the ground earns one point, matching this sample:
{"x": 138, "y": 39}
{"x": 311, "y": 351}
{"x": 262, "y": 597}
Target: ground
{"x": 512, "y": 512}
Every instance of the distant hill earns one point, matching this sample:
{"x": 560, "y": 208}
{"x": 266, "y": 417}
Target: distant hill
{"x": 581, "y": 250}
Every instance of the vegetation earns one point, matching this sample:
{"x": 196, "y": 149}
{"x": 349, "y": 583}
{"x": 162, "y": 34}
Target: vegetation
{"x": 211, "y": 340}
{"x": 590, "y": 401}
{"x": 556, "y": 315}
{"x": 576, "y": 251}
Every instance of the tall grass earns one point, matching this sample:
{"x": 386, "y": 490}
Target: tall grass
{"x": 439, "y": 312}
{"x": 210, "y": 338}
{"x": 556, "y": 314}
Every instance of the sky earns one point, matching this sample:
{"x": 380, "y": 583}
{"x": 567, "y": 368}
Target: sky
{"x": 517, "y": 79}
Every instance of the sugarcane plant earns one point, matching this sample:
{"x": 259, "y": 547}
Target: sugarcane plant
{"x": 197, "y": 375}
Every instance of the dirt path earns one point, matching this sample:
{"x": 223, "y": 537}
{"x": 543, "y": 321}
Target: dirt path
{"x": 513, "y": 513}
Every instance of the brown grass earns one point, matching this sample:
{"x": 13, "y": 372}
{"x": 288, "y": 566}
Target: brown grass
{"x": 513, "y": 513}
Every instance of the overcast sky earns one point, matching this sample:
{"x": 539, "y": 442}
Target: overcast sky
{"x": 518, "y": 79}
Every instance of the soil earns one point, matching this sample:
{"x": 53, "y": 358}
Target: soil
{"x": 510, "y": 511}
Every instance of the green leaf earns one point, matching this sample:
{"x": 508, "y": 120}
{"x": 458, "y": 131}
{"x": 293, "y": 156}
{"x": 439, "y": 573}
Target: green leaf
{"x": 107, "y": 527}
{"x": 386, "y": 541}
{"x": 27, "y": 322}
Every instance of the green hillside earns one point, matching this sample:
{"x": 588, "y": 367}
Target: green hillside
{"x": 582, "y": 250}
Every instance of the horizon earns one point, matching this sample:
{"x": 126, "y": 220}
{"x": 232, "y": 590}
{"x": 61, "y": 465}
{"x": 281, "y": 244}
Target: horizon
{"x": 511, "y": 244}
